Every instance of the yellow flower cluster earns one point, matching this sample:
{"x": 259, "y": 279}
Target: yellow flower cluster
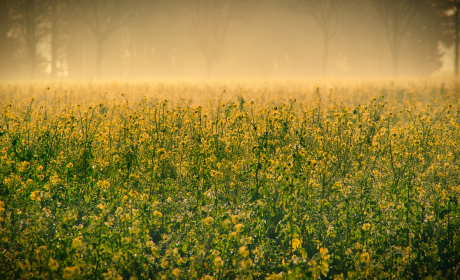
{"x": 35, "y": 196}
{"x": 279, "y": 181}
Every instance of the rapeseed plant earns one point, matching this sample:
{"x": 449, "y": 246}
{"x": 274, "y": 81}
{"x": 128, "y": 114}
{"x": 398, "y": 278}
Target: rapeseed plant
{"x": 293, "y": 185}
{"x": 364, "y": 257}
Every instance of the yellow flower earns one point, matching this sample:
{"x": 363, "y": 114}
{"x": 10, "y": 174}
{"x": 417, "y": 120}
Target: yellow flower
{"x": 239, "y": 227}
{"x": 218, "y": 262}
{"x": 133, "y": 193}
{"x": 243, "y": 251}
{"x": 53, "y": 264}
{"x": 247, "y": 263}
{"x": 71, "y": 272}
{"x": 55, "y": 179}
{"x": 296, "y": 243}
{"x": 348, "y": 252}
{"x": 164, "y": 264}
{"x": 175, "y": 252}
{"x": 35, "y": 196}
{"x": 125, "y": 217}
{"x": 7, "y": 181}
{"x": 76, "y": 243}
{"x": 275, "y": 276}
{"x": 24, "y": 166}
{"x": 365, "y": 257}
{"x": 103, "y": 184}
{"x": 112, "y": 274}
{"x": 235, "y": 219}
{"x": 209, "y": 220}
{"x": 366, "y": 226}
{"x": 323, "y": 251}
{"x": 176, "y": 272}
{"x": 157, "y": 214}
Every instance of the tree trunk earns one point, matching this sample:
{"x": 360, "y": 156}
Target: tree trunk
{"x": 54, "y": 39}
{"x": 33, "y": 62}
{"x": 99, "y": 56}
{"x": 31, "y": 41}
{"x": 325, "y": 54}
{"x": 395, "y": 59}
{"x": 457, "y": 39}
{"x": 5, "y": 53}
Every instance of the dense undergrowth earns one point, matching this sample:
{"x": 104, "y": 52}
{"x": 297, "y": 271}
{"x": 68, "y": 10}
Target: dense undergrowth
{"x": 309, "y": 186}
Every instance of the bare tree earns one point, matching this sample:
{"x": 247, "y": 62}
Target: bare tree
{"x": 397, "y": 16}
{"x": 57, "y": 7}
{"x": 210, "y": 20}
{"x": 451, "y": 11}
{"x": 4, "y": 24}
{"x": 327, "y": 14}
{"x": 30, "y": 17}
{"x": 5, "y": 7}
{"x": 455, "y": 8}
{"x": 104, "y": 17}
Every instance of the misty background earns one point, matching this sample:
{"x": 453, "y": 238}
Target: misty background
{"x": 156, "y": 39}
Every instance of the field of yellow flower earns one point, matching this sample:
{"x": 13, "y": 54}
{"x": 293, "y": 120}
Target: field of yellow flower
{"x": 230, "y": 180}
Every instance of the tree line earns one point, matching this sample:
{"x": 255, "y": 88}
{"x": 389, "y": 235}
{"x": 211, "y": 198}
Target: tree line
{"x": 61, "y": 38}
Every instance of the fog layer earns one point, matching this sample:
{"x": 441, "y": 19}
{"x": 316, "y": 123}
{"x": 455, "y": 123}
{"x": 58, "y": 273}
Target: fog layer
{"x": 223, "y": 38}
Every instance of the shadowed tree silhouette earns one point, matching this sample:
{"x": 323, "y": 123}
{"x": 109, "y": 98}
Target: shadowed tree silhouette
{"x": 209, "y": 25}
{"x": 326, "y": 14}
{"x": 5, "y": 25}
{"x": 30, "y": 17}
{"x": 104, "y": 17}
{"x": 451, "y": 9}
{"x": 57, "y": 8}
{"x": 397, "y": 16}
